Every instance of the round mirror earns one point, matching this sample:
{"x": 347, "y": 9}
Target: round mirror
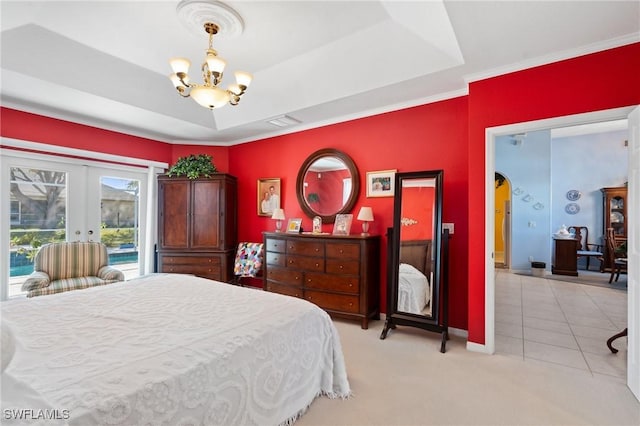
{"x": 328, "y": 184}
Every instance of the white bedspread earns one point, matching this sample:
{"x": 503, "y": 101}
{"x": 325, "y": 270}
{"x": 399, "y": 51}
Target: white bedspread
{"x": 413, "y": 289}
{"x": 174, "y": 349}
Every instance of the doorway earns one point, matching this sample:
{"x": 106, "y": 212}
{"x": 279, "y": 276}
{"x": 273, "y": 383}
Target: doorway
{"x": 502, "y": 221}
{"x": 55, "y": 199}
{"x": 490, "y": 279}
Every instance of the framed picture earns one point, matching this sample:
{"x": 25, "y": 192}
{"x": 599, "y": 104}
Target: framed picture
{"x": 342, "y": 225}
{"x": 268, "y": 196}
{"x": 381, "y": 183}
{"x": 294, "y": 225}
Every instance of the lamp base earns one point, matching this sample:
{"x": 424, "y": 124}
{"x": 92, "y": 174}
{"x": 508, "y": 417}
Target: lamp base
{"x": 365, "y": 228}
{"x": 278, "y": 226}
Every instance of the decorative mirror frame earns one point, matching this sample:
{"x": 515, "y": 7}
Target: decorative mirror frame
{"x": 355, "y": 183}
{"x": 438, "y": 320}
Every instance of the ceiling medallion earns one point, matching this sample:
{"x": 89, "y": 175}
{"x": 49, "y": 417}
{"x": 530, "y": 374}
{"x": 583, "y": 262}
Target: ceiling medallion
{"x": 194, "y": 14}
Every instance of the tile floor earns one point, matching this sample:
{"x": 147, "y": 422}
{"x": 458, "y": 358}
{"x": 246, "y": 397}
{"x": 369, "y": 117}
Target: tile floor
{"x": 561, "y": 323}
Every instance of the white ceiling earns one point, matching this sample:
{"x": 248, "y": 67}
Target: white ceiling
{"x": 105, "y": 63}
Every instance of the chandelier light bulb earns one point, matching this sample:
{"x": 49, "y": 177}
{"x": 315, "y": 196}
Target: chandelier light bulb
{"x": 216, "y": 64}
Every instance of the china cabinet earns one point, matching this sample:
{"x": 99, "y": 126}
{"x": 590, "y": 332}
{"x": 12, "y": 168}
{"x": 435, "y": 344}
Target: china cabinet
{"x": 615, "y": 216}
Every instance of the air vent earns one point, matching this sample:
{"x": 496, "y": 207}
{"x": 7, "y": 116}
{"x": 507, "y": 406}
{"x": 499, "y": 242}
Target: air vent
{"x": 284, "y": 121}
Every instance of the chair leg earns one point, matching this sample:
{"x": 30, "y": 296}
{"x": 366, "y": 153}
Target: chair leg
{"x": 588, "y": 259}
{"x": 613, "y": 272}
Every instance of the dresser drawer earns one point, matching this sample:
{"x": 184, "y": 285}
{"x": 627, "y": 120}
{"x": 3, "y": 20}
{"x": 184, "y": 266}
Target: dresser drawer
{"x": 189, "y": 260}
{"x": 305, "y": 263}
{"x": 336, "y": 266}
{"x": 309, "y": 248}
{"x": 339, "y": 283}
{"x": 284, "y": 275}
{"x": 335, "y": 302}
{"x": 343, "y": 250}
{"x": 276, "y": 245}
{"x": 284, "y": 289}
{"x": 275, "y": 259}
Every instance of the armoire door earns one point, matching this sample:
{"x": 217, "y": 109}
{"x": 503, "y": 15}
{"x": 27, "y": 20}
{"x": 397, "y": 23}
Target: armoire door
{"x": 173, "y": 212}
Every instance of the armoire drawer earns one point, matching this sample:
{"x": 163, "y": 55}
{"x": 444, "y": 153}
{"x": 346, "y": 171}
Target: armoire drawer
{"x": 190, "y": 260}
{"x": 275, "y": 259}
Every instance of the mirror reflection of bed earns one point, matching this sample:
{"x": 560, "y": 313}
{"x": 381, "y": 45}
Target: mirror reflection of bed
{"x": 415, "y": 291}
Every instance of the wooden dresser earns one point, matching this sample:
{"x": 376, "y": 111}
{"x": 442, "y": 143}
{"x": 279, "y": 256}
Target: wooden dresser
{"x": 341, "y": 274}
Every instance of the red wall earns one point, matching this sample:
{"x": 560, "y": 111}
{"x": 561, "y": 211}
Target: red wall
{"x": 36, "y": 128}
{"x": 427, "y": 137}
{"x": 448, "y": 135}
{"x": 588, "y": 83}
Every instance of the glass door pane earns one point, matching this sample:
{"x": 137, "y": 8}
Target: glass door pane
{"x": 38, "y": 215}
{"x": 120, "y": 222}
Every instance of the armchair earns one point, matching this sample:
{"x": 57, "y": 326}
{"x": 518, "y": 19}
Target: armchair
{"x": 68, "y": 266}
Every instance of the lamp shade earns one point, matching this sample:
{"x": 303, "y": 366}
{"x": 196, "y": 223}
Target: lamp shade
{"x": 180, "y": 65}
{"x": 365, "y": 214}
{"x": 278, "y": 214}
{"x": 243, "y": 78}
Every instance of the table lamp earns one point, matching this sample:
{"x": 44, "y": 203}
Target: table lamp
{"x": 278, "y": 215}
{"x": 366, "y": 216}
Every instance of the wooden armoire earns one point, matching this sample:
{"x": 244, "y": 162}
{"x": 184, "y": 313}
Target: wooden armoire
{"x": 197, "y": 225}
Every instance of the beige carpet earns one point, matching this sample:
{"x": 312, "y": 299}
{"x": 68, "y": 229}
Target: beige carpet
{"x": 405, "y": 380}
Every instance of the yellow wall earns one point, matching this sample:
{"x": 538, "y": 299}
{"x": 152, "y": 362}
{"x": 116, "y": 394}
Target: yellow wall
{"x": 502, "y": 194}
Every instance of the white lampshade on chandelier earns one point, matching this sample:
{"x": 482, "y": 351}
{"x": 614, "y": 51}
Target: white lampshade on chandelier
{"x": 209, "y": 94}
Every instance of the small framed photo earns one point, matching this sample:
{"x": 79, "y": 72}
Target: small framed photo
{"x": 268, "y": 196}
{"x": 381, "y": 183}
{"x": 342, "y": 225}
{"x": 294, "y": 225}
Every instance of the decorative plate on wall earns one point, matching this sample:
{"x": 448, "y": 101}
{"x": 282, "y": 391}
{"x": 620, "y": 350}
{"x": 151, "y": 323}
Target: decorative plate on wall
{"x": 573, "y": 195}
{"x": 572, "y": 208}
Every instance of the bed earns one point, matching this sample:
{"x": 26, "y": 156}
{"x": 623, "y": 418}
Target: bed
{"x": 171, "y": 349}
{"x": 414, "y": 277}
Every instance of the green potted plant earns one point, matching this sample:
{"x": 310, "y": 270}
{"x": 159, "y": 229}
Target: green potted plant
{"x": 193, "y": 166}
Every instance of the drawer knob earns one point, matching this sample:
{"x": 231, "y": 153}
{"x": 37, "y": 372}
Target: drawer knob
{"x": 340, "y": 266}
{"x": 350, "y": 304}
{"x": 317, "y": 249}
{"x": 341, "y": 251}
{"x": 317, "y": 264}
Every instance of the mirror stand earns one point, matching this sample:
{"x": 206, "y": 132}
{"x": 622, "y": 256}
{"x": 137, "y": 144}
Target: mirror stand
{"x": 418, "y": 251}
{"x": 398, "y": 318}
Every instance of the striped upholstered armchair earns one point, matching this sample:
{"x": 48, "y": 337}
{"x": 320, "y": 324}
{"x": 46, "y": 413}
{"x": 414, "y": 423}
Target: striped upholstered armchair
{"x": 62, "y": 267}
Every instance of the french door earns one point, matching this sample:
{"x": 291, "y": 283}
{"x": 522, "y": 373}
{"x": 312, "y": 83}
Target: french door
{"x": 52, "y": 199}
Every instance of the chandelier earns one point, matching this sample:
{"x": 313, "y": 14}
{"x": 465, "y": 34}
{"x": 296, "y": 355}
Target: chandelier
{"x": 208, "y": 94}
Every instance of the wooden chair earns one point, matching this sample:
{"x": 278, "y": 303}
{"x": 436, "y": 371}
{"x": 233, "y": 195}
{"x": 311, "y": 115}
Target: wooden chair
{"x": 617, "y": 262}
{"x": 587, "y": 249}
